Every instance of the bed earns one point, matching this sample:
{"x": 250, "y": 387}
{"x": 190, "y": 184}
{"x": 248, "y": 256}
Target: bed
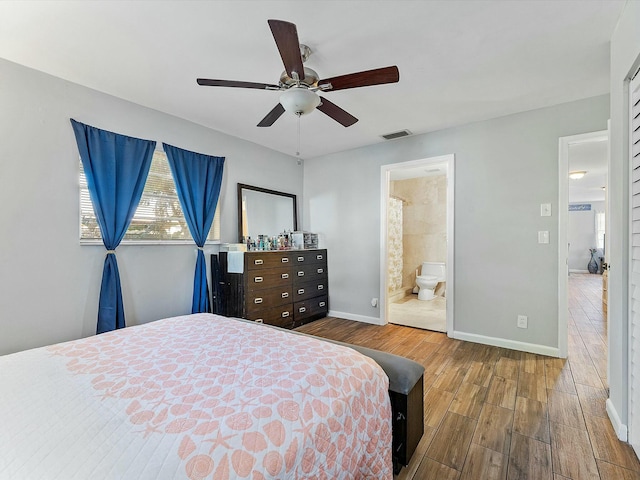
{"x": 196, "y": 396}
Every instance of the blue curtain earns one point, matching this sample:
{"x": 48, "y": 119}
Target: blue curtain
{"x": 198, "y": 179}
{"x": 116, "y": 167}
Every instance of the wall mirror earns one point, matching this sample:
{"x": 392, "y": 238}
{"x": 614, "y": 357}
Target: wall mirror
{"x": 265, "y": 212}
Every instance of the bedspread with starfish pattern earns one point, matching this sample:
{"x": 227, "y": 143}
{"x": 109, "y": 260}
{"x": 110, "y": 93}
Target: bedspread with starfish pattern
{"x": 198, "y": 396}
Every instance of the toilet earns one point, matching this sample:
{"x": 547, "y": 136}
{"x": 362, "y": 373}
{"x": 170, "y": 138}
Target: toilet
{"x": 431, "y": 274}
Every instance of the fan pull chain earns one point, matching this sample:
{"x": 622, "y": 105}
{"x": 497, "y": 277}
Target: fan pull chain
{"x": 298, "y": 145}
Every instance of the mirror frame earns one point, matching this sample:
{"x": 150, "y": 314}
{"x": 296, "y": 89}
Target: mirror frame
{"x": 242, "y": 186}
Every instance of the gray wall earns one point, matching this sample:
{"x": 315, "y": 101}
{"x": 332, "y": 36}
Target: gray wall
{"x": 625, "y": 58}
{"x": 49, "y": 282}
{"x": 504, "y": 169}
{"x": 581, "y": 235}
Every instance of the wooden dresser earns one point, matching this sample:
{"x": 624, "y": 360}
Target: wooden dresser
{"x": 287, "y": 288}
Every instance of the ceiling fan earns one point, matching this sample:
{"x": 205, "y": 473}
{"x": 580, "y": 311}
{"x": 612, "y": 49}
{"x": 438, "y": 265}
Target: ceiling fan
{"x": 301, "y": 84}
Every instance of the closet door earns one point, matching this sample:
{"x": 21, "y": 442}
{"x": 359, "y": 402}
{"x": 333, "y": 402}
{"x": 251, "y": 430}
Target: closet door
{"x": 634, "y": 314}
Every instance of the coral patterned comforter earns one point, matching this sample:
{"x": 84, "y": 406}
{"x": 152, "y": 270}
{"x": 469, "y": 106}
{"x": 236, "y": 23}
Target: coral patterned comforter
{"x": 199, "y": 396}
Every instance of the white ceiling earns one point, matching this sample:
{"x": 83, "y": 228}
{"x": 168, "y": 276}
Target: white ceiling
{"x": 431, "y": 170}
{"x": 590, "y": 157}
{"x": 459, "y": 61}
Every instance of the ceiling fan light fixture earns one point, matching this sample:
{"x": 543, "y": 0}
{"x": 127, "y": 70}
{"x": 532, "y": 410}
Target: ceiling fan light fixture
{"x": 577, "y": 175}
{"x": 300, "y": 85}
{"x": 299, "y": 100}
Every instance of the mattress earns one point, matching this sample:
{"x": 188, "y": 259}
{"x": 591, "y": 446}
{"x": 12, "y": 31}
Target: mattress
{"x": 197, "y": 396}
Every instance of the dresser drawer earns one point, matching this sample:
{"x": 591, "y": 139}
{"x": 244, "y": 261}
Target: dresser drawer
{"x": 267, "y": 288}
{"x": 258, "y": 300}
{"x": 263, "y": 279}
{"x": 308, "y": 290}
{"x": 302, "y": 257}
{"x": 309, "y": 273}
{"x": 281, "y": 316}
{"x": 270, "y": 259}
{"x": 309, "y": 308}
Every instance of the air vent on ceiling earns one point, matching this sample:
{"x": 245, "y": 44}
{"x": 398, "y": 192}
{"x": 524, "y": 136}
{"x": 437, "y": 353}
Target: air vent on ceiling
{"x": 401, "y": 133}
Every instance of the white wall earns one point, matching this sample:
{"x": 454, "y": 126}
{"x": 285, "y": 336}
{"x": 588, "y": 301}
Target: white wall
{"x": 49, "y": 284}
{"x": 625, "y": 58}
{"x": 581, "y": 235}
{"x": 505, "y": 168}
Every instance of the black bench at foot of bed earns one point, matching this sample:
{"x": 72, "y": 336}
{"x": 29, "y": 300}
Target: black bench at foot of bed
{"x": 405, "y": 392}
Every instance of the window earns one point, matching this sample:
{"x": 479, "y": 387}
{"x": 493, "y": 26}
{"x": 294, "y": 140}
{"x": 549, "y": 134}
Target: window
{"x": 600, "y": 230}
{"x": 159, "y": 216}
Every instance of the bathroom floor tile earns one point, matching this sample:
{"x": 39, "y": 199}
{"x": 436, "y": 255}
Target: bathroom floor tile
{"x": 427, "y": 314}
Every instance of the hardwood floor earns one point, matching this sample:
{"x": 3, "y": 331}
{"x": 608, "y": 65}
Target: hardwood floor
{"x": 493, "y": 413}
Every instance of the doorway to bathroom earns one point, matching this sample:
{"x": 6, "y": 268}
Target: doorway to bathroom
{"x": 416, "y": 255}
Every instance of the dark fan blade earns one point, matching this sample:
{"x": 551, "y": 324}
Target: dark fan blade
{"x": 377, "y": 76}
{"x": 232, "y": 83}
{"x": 335, "y": 112}
{"x": 286, "y": 36}
{"x": 272, "y": 116}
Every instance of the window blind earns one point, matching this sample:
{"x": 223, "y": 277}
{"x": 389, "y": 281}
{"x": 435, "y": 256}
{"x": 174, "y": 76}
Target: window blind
{"x": 158, "y": 217}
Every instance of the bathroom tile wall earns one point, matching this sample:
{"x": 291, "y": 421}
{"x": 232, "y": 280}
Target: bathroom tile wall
{"x": 424, "y": 222}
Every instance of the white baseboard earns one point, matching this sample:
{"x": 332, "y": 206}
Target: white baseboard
{"x": 618, "y": 426}
{"x": 357, "y": 318}
{"x": 505, "y": 343}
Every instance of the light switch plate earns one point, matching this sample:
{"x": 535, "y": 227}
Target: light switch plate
{"x": 545, "y": 209}
{"x": 543, "y": 236}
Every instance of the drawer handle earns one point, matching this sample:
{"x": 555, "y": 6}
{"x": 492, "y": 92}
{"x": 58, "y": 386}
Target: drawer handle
{"x": 322, "y": 304}
{"x": 319, "y": 257}
{"x": 259, "y": 320}
{"x": 302, "y": 309}
{"x": 258, "y": 279}
{"x": 285, "y": 314}
{"x": 320, "y": 287}
{"x": 285, "y": 275}
{"x": 285, "y": 260}
{"x": 301, "y": 259}
{"x": 258, "y": 261}
{"x": 285, "y": 294}
{"x": 301, "y": 291}
{"x": 320, "y": 270}
{"x": 301, "y": 274}
{"x": 257, "y": 300}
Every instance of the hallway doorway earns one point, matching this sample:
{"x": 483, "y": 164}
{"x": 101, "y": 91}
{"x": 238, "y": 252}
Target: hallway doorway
{"x": 417, "y": 241}
{"x": 582, "y": 217}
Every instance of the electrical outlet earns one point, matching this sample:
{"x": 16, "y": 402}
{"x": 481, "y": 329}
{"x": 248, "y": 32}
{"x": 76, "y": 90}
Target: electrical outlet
{"x": 522, "y": 321}
{"x": 374, "y": 302}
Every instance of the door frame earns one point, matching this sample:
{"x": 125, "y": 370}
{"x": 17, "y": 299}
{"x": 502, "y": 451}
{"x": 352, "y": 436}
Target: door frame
{"x": 629, "y": 433}
{"x": 385, "y": 175}
{"x": 563, "y": 219}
